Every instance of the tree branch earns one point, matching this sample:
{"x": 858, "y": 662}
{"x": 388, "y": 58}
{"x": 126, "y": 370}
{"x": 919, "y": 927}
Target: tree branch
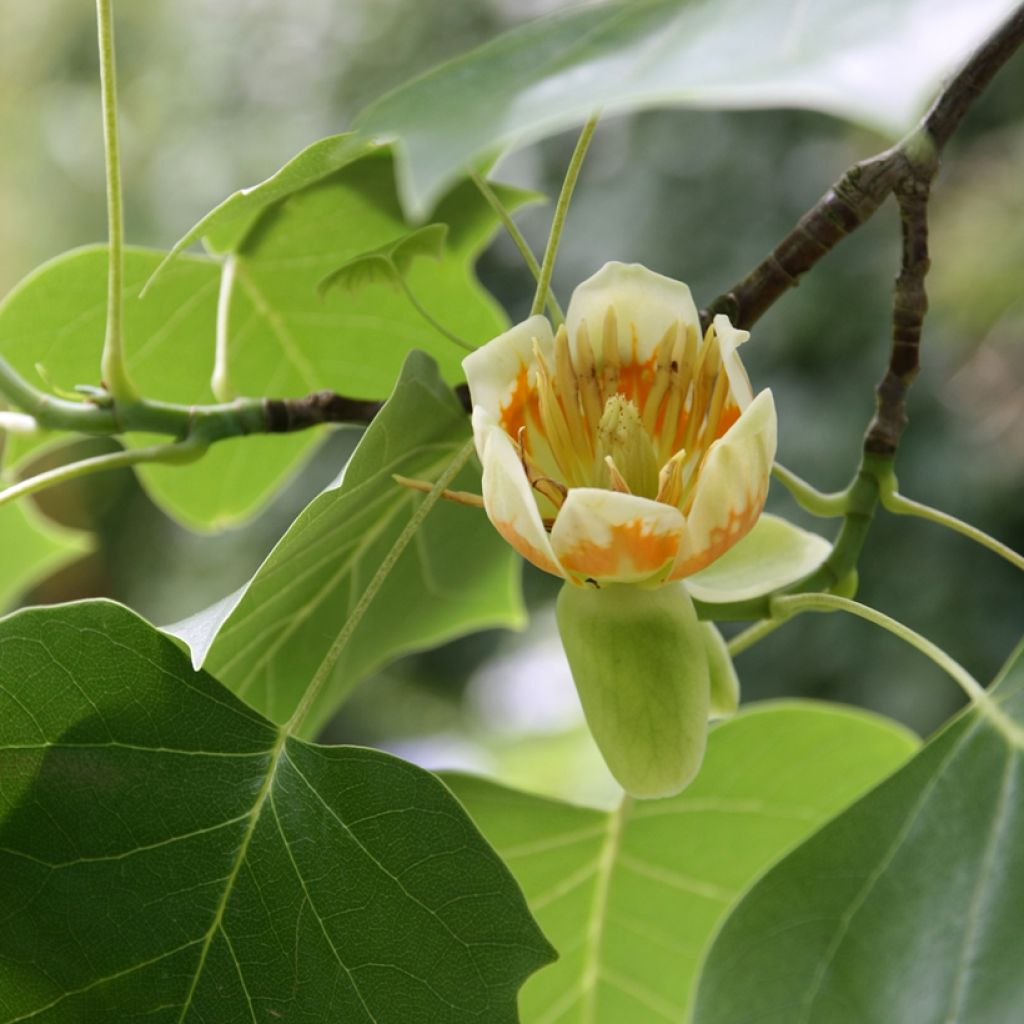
{"x": 861, "y": 190}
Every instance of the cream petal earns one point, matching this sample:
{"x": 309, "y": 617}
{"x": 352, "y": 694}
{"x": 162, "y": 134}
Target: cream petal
{"x": 732, "y": 487}
{"x": 730, "y": 339}
{"x": 508, "y": 497}
{"x": 609, "y": 536}
{"x": 495, "y": 370}
{"x": 645, "y": 303}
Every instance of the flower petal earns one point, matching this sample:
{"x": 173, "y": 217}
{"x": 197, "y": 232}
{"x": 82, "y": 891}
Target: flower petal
{"x": 508, "y": 497}
{"x": 730, "y": 339}
{"x": 613, "y": 537}
{"x": 731, "y": 488}
{"x": 499, "y": 373}
{"x": 646, "y": 304}
{"x": 774, "y": 554}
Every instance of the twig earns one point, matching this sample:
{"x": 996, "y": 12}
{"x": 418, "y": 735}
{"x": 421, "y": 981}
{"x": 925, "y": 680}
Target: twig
{"x": 862, "y": 189}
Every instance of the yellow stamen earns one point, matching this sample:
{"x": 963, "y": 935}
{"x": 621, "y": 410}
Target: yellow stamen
{"x": 553, "y": 418}
{"x": 670, "y": 480}
{"x": 586, "y": 375}
{"x": 425, "y": 486}
{"x": 703, "y": 373}
{"x": 544, "y": 485}
{"x": 568, "y": 392}
{"x": 616, "y": 480}
{"x": 662, "y": 377}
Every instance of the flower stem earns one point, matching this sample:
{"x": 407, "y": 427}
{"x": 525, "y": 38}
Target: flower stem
{"x": 785, "y": 606}
{"x": 176, "y": 452}
{"x": 894, "y": 502}
{"x": 818, "y": 503}
{"x": 557, "y": 316}
{"x": 561, "y": 209}
{"x": 752, "y": 635}
{"x": 112, "y": 365}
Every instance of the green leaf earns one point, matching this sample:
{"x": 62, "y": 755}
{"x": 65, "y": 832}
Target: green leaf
{"x": 774, "y": 554}
{"x": 266, "y": 641}
{"x": 168, "y": 855}
{"x": 387, "y": 262}
{"x": 638, "y": 659}
{"x": 283, "y": 339}
{"x": 32, "y": 547}
{"x": 226, "y": 226}
{"x": 907, "y": 907}
{"x": 878, "y": 63}
{"x": 631, "y": 899}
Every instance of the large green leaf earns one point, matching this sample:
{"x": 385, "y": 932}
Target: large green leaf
{"x": 168, "y": 855}
{"x": 630, "y": 899}
{"x": 283, "y": 337}
{"x": 32, "y": 547}
{"x": 876, "y": 61}
{"x": 908, "y": 907}
{"x": 266, "y": 640}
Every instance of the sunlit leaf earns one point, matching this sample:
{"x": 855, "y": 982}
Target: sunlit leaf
{"x": 631, "y": 899}
{"x": 283, "y": 338}
{"x": 266, "y": 641}
{"x": 388, "y": 261}
{"x": 168, "y": 855}
{"x": 877, "y": 62}
{"x": 907, "y": 907}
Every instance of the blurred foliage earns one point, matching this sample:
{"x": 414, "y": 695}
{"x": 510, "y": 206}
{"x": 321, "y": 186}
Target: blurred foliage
{"x": 217, "y": 95}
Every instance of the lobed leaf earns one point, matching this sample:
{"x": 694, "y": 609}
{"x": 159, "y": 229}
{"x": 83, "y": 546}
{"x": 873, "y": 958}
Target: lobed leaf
{"x": 552, "y": 73}
{"x": 283, "y": 339}
{"x": 907, "y": 907}
{"x": 631, "y": 899}
{"x": 169, "y": 855}
{"x": 266, "y": 641}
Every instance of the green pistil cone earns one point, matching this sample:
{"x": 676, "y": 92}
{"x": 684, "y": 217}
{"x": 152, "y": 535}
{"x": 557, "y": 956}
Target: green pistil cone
{"x": 640, "y": 664}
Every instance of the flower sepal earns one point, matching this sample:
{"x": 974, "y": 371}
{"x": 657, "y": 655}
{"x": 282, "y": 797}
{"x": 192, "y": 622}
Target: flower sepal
{"x": 639, "y": 658}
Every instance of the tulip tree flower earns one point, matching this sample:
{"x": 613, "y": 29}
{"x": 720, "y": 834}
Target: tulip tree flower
{"x": 626, "y": 453}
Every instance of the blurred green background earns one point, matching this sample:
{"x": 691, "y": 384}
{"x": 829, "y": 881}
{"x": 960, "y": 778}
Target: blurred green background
{"x": 217, "y": 94}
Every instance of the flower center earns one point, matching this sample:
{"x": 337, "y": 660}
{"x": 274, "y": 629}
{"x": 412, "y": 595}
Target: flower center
{"x": 625, "y": 455}
{"x": 598, "y": 419}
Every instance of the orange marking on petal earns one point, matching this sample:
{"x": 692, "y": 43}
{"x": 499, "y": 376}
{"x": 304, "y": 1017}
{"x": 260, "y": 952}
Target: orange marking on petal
{"x": 522, "y": 409}
{"x": 529, "y": 551}
{"x": 634, "y": 549}
{"x": 737, "y": 526}
{"x": 637, "y": 378}
{"x": 730, "y": 414}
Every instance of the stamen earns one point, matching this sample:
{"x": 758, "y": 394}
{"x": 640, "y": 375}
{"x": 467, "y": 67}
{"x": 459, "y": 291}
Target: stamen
{"x": 551, "y": 489}
{"x": 616, "y": 480}
{"x": 707, "y": 360}
{"x": 674, "y": 421}
{"x": 568, "y": 394}
{"x": 425, "y": 486}
{"x": 715, "y": 406}
{"x": 670, "y": 480}
{"x": 662, "y": 377}
{"x": 553, "y": 419}
{"x": 610, "y": 355}
{"x": 586, "y": 376}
